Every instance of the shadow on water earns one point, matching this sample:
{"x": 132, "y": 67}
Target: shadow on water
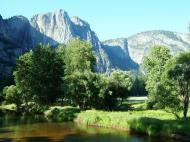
{"x": 89, "y": 138}
{"x": 37, "y": 139}
{"x": 6, "y": 131}
{"x": 100, "y": 138}
{"x": 14, "y": 120}
{"x": 6, "y": 140}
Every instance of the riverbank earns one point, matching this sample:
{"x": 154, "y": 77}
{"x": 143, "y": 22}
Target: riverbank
{"x": 149, "y": 122}
{"x": 156, "y": 123}
{"x": 32, "y": 129}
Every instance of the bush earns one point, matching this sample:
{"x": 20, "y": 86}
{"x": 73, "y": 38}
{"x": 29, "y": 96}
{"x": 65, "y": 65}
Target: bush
{"x": 32, "y": 108}
{"x": 12, "y": 95}
{"x": 61, "y": 114}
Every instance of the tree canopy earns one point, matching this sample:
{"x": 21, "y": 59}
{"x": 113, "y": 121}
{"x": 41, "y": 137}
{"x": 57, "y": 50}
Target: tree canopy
{"x": 38, "y": 75}
{"x": 180, "y": 72}
{"x": 154, "y": 64}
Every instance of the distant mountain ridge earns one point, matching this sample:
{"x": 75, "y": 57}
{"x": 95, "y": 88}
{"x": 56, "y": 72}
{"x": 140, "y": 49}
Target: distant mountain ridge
{"x": 19, "y": 35}
{"x": 140, "y": 44}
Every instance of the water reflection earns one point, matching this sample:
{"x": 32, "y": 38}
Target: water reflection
{"x": 37, "y": 130}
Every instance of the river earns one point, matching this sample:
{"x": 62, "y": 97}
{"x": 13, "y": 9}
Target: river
{"x": 23, "y": 129}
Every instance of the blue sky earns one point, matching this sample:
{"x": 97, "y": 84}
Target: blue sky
{"x": 111, "y": 18}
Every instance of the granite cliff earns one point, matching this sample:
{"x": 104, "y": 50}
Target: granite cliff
{"x": 19, "y": 35}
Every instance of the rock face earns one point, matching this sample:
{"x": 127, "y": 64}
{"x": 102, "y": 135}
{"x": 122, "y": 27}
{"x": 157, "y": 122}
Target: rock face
{"x": 56, "y": 25}
{"x": 118, "y": 54}
{"x": 19, "y": 35}
{"x": 140, "y": 44}
{"x": 61, "y": 28}
{"x": 15, "y": 39}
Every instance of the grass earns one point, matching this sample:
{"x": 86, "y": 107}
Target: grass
{"x": 133, "y": 103}
{"x": 138, "y": 119}
{"x": 135, "y": 100}
{"x": 139, "y": 98}
{"x": 150, "y": 122}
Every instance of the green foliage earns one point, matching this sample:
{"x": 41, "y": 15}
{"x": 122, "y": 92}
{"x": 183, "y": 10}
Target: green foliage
{"x": 138, "y": 88}
{"x": 23, "y": 76}
{"x": 91, "y": 90}
{"x": 81, "y": 88}
{"x": 12, "y": 95}
{"x": 168, "y": 80}
{"x": 61, "y": 114}
{"x": 87, "y": 89}
{"x": 79, "y": 56}
{"x": 38, "y": 75}
{"x": 168, "y": 89}
{"x": 179, "y": 71}
{"x": 154, "y": 67}
{"x": 114, "y": 89}
{"x": 79, "y": 77}
{"x": 32, "y": 108}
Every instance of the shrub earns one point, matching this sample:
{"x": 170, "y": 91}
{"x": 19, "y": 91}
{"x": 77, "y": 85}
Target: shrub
{"x": 61, "y": 114}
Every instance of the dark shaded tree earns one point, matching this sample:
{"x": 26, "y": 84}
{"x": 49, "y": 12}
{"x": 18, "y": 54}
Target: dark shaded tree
{"x": 114, "y": 89}
{"x": 139, "y": 85}
{"x": 38, "y": 75}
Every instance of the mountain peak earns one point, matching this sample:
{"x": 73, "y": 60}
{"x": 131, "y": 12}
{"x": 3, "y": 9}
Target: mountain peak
{"x": 57, "y": 14}
{"x": 77, "y": 21}
{"x": 56, "y": 25}
{"x": 60, "y": 11}
{"x": 19, "y": 18}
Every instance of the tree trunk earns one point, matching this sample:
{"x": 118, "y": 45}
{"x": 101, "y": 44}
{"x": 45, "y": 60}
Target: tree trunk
{"x": 186, "y": 105}
{"x": 186, "y": 101}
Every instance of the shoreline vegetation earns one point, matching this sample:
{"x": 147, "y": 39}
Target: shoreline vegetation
{"x": 153, "y": 123}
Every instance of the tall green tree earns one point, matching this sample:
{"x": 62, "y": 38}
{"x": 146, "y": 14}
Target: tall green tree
{"x": 81, "y": 89}
{"x": 79, "y": 66}
{"x": 180, "y": 71}
{"x": 39, "y": 74}
{"x": 154, "y": 64}
{"x": 48, "y": 71}
{"x": 168, "y": 92}
{"x": 23, "y": 76}
{"x": 79, "y": 56}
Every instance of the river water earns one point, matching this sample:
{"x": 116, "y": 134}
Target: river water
{"x": 22, "y": 129}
